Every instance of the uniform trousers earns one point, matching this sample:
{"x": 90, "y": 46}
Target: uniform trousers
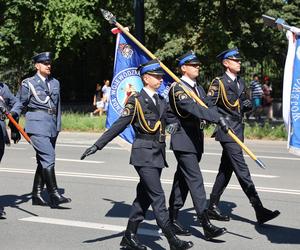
{"x": 45, "y": 150}
{"x": 2, "y": 145}
{"x": 232, "y": 160}
{"x": 188, "y": 177}
{"x": 149, "y": 192}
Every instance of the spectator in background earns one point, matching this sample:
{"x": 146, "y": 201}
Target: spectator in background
{"x": 98, "y": 101}
{"x": 256, "y": 95}
{"x": 106, "y": 94}
{"x": 267, "y": 98}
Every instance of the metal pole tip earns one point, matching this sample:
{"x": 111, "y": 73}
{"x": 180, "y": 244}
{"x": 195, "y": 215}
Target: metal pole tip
{"x": 108, "y": 16}
{"x": 260, "y": 163}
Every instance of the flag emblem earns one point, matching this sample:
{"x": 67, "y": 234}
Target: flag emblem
{"x": 126, "y": 50}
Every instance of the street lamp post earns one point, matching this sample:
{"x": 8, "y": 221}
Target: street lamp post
{"x": 139, "y": 20}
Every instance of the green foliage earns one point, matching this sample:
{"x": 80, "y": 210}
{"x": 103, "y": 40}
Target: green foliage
{"x": 80, "y": 122}
{"x": 256, "y": 131}
{"x": 31, "y": 26}
{"x": 65, "y": 21}
{"x": 266, "y": 131}
{"x": 84, "y": 47}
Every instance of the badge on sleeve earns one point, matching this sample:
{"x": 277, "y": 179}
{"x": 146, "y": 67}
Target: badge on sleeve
{"x": 213, "y": 89}
{"x": 181, "y": 95}
{"x": 126, "y": 111}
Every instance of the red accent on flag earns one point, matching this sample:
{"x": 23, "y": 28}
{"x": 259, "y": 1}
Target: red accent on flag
{"x": 116, "y": 31}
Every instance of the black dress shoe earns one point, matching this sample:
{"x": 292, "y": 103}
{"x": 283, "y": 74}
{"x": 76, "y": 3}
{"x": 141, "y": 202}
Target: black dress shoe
{"x": 2, "y": 213}
{"x": 37, "y": 200}
{"x": 130, "y": 241}
{"x": 215, "y": 214}
{"x": 174, "y": 242}
{"x": 263, "y": 215}
{"x": 56, "y": 199}
{"x": 178, "y": 229}
{"x": 210, "y": 231}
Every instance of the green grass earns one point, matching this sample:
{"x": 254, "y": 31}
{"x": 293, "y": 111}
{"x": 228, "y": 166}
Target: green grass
{"x": 79, "y": 122}
{"x": 85, "y": 123}
{"x": 267, "y": 131}
{"x": 82, "y": 122}
{"x": 256, "y": 131}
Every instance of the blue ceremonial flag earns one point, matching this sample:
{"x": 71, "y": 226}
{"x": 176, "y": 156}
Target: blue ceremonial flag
{"x": 126, "y": 79}
{"x": 291, "y": 93}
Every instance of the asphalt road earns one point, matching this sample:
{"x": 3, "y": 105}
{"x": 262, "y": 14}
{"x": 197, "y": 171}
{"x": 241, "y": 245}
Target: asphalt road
{"x": 102, "y": 189}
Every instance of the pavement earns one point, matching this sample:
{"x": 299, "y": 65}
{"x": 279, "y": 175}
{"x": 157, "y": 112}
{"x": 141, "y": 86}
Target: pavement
{"x": 102, "y": 188}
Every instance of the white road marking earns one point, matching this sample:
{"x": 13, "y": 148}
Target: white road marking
{"x": 74, "y": 160}
{"x": 136, "y": 179}
{"x": 80, "y": 146}
{"x": 90, "y": 225}
{"x": 86, "y": 146}
{"x": 262, "y": 157}
{"x": 170, "y": 151}
{"x": 14, "y": 148}
{"x": 253, "y": 175}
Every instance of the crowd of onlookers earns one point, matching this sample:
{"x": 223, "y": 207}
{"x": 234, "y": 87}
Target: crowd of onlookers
{"x": 261, "y": 96}
{"x": 101, "y": 98}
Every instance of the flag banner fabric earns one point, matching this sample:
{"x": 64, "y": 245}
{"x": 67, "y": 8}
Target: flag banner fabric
{"x": 291, "y": 93}
{"x": 126, "y": 79}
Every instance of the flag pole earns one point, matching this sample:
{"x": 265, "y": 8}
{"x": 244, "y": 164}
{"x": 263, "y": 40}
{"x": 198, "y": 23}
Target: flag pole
{"x": 19, "y": 128}
{"x": 112, "y": 20}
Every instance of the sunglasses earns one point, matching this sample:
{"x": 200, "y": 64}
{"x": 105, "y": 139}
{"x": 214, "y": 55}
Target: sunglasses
{"x": 234, "y": 59}
{"x": 46, "y": 63}
{"x": 192, "y": 65}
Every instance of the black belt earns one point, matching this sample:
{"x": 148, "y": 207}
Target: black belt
{"x": 48, "y": 111}
{"x": 155, "y": 137}
{"x": 234, "y": 118}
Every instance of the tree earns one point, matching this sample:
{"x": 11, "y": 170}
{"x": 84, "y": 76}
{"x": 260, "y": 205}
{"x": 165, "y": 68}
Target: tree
{"x": 84, "y": 47}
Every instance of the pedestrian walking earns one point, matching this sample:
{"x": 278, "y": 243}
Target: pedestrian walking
{"x": 187, "y": 145}
{"x": 40, "y": 95}
{"x": 228, "y": 93}
{"x": 146, "y": 112}
{"x": 7, "y": 100}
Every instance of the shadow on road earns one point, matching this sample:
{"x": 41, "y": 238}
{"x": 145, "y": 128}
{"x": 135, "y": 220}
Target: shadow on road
{"x": 148, "y": 241}
{"x": 187, "y": 218}
{"x": 11, "y": 200}
{"x": 122, "y": 210}
{"x": 274, "y": 233}
{"x": 280, "y": 234}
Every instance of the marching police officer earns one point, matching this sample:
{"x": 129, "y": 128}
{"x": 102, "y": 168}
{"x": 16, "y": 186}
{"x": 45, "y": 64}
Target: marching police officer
{"x": 146, "y": 111}
{"x": 187, "y": 145}
{"x": 7, "y": 100}
{"x": 228, "y": 93}
{"x": 40, "y": 95}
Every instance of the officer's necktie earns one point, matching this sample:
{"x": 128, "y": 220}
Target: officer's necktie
{"x": 156, "y": 98}
{"x": 195, "y": 90}
{"x": 237, "y": 83}
{"x": 47, "y": 85}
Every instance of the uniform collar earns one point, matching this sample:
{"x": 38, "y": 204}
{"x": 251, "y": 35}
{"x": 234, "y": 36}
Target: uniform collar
{"x": 149, "y": 92}
{"x": 231, "y": 75}
{"x": 42, "y": 77}
{"x": 189, "y": 81}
